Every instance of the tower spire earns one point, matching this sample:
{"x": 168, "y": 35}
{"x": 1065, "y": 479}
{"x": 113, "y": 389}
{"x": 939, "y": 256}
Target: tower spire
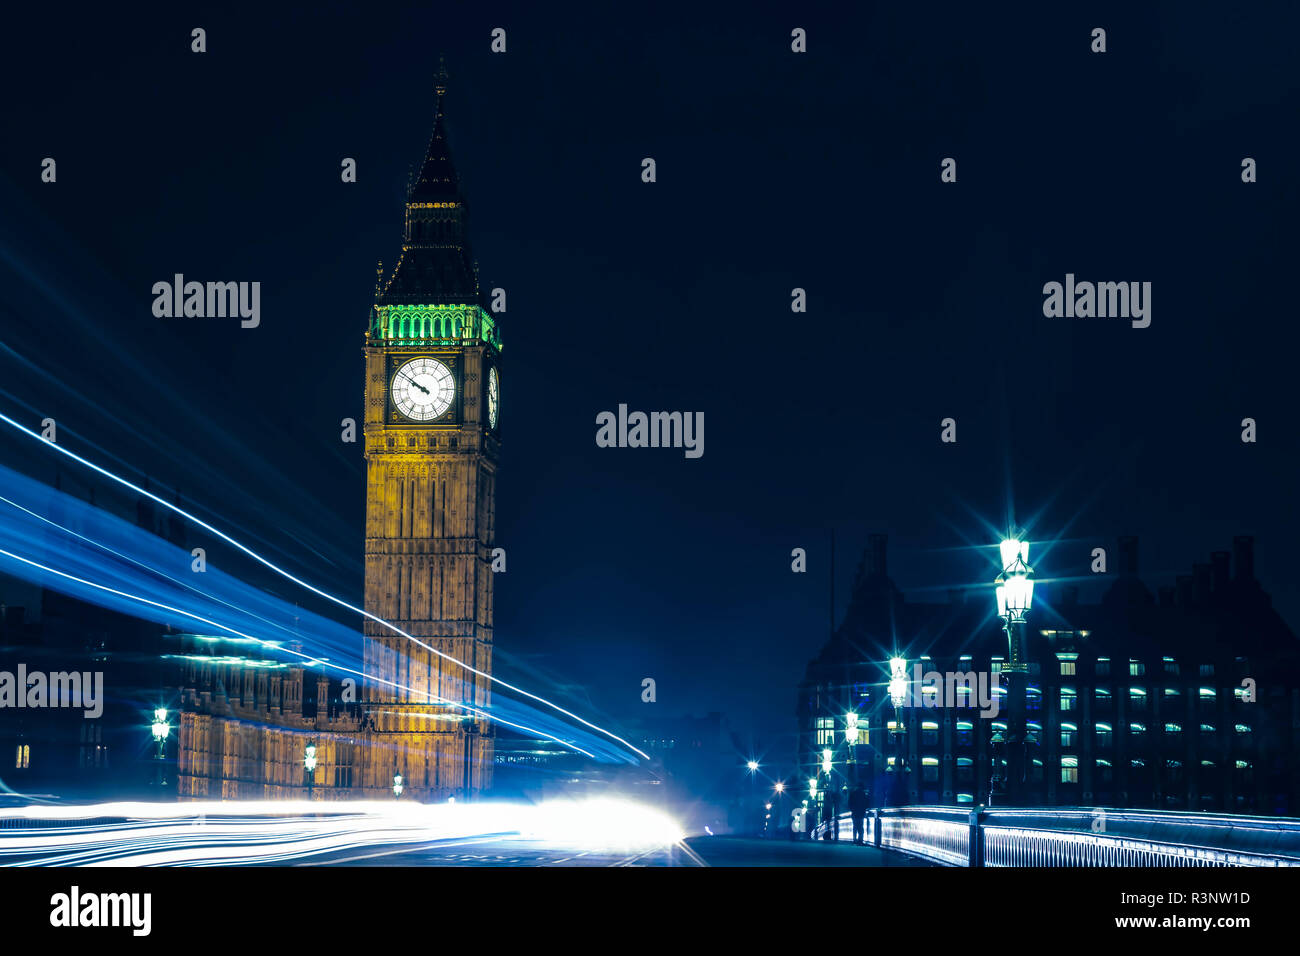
{"x": 436, "y": 180}
{"x": 436, "y": 265}
{"x": 440, "y": 85}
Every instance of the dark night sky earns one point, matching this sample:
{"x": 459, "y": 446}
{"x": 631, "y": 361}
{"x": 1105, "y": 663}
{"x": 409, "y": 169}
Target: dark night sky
{"x": 774, "y": 170}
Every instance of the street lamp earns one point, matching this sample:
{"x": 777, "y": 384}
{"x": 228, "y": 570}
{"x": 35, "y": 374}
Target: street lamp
{"x": 1014, "y": 587}
{"x": 752, "y": 800}
{"x": 780, "y": 786}
{"x": 309, "y": 768}
{"x": 898, "y": 694}
{"x": 897, "y": 681}
{"x": 851, "y": 746}
{"x": 161, "y": 728}
{"x": 397, "y": 785}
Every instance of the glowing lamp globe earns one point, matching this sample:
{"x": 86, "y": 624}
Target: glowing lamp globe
{"x": 161, "y": 728}
{"x": 1014, "y": 586}
{"x": 898, "y": 681}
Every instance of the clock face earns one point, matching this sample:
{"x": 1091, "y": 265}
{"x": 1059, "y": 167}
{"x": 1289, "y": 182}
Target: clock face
{"x": 423, "y": 389}
{"x": 494, "y": 397}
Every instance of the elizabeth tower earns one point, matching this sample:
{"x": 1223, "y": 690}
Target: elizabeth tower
{"x": 431, "y": 448}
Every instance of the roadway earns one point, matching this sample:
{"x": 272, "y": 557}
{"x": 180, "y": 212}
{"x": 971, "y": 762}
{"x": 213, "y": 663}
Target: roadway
{"x": 719, "y": 851}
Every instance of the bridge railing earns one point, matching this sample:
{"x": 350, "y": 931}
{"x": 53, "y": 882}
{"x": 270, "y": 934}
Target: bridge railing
{"x": 979, "y": 836}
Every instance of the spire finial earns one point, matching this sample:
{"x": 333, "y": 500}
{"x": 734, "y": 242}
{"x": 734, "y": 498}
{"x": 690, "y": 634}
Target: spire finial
{"x": 440, "y": 87}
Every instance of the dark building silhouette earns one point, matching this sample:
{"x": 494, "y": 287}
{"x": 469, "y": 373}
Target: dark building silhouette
{"x": 1183, "y": 699}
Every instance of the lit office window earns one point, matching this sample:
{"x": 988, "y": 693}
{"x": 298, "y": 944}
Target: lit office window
{"x": 930, "y": 769}
{"x": 929, "y": 732}
{"x": 1207, "y": 728}
{"x": 825, "y": 731}
{"x": 1068, "y": 733}
{"x": 1136, "y": 728}
{"x": 1068, "y": 698}
{"x": 1104, "y": 733}
{"x": 1069, "y": 770}
{"x": 1068, "y": 668}
{"x": 1103, "y": 666}
{"x": 1243, "y": 728}
{"x": 1137, "y": 698}
{"x": 1136, "y": 669}
{"x": 1172, "y": 728}
{"x": 1170, "y": 665}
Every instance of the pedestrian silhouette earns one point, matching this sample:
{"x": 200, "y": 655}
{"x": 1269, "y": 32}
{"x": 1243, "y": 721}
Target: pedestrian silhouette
{"x": 858, "y": 803}
{"x": 831, "y": 815}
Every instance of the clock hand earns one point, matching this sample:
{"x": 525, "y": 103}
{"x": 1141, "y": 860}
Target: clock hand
{"x": 417, "y": 385}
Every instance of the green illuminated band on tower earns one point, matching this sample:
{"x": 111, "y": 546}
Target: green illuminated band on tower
{"x": 424, "y": 324}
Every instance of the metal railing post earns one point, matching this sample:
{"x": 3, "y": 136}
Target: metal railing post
{"x": 976, "y": 838}
{"x": 875, "y": 828}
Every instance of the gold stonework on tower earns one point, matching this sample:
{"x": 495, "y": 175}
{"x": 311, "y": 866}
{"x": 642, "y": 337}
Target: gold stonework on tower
{"x": 431, "y": 444}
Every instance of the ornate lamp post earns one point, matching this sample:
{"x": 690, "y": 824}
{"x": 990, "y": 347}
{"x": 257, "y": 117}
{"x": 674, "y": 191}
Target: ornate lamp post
{"x": 751, "y": 803}
{"x": 898, "y": 688}
{"x": 398, "y": 786}
{"x": 1015, "y": 593}
{"x": 309, "y": 768}
{"x": 161, "y": 729}
{"x": 851, "y": 747}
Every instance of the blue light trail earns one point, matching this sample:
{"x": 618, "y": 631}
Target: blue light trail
{"x": 147, "y": 577}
